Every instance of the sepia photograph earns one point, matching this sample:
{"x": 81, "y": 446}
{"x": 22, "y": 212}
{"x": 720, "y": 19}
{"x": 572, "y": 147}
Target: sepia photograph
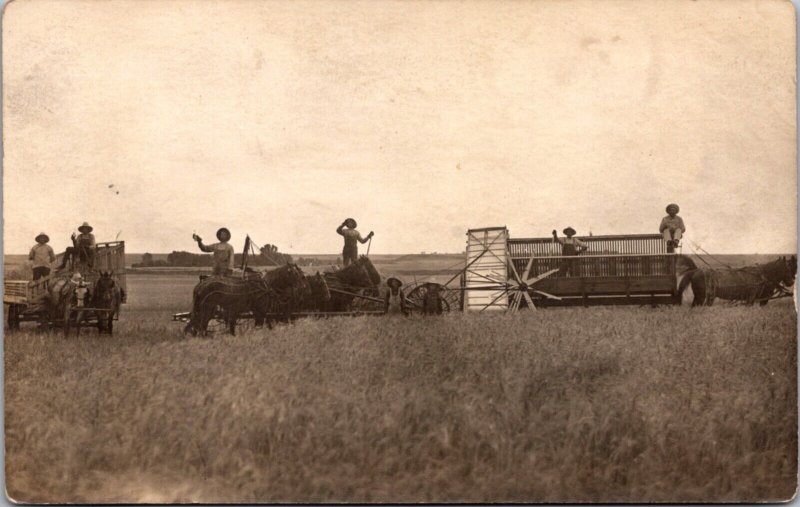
{"x": 399, "y": 251}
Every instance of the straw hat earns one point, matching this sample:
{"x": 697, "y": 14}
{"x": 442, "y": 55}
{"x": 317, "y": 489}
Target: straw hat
{"x": 569, "y": 230}
{"x": 76, "y": 278}
{"x": 673, "y": 206}
{"x": 85, "y": 228}
{"x": 393, "y": 281}
{"x": 223, "y": 234}
{"x": 42, "y": 238}
{"x": 351, "y": 223}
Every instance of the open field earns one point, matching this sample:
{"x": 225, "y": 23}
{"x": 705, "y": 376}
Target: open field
{"x": 600, "y": 404}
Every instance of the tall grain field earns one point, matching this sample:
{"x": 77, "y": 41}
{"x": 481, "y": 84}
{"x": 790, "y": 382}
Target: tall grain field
{"x": 610, "y": 405}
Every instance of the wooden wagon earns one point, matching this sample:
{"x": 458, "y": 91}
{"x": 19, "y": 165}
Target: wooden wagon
{"x": 29, "y": 301}
{"x": 503, "y": 273}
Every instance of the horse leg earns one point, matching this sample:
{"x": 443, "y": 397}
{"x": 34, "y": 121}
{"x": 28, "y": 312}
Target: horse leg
{"x": 699, "y": 290}
{"x": 78, "y": 321}
{"x": 67, "y": 315}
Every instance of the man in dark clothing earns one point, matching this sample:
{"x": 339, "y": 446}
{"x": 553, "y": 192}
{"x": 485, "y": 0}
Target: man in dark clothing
{"x": 82, "y": 249}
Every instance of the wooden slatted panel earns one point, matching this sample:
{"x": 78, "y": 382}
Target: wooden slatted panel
{"x": 602, "y": 265}
{"x": 486, "y": 261}
{"x": 598, "y": 245}
{"x": 111, "y": 257}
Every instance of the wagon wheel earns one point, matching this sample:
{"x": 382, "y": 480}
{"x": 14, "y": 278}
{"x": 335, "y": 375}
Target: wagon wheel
{"x": 14, "y": 317}
{"x": 451, "y": 299}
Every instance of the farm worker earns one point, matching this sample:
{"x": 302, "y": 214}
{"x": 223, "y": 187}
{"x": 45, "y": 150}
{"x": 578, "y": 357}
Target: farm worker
{"x": 81, "y": 290}
{"x": 570, "y": 246}
{"x": 223, "y": 252}
{"x": 351, "y": 236}
{"x": 432, "y": 300}
{"x": 672, "y": 228}
{"x": 41, "y": 256}
{"x": 395, "y": 299}
{"x": 82, "y": 246}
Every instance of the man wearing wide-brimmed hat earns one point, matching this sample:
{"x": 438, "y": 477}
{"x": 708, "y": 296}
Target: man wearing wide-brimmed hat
{"x": 569, "y": 246}
{"x": 395, "y": 299}
{"x": 41, "y": 256}
{"x": 672, "y": 228}
{"x": 82, "y": 246}
{"x": 351, "y": 237}
{"x": 223, "y": 252}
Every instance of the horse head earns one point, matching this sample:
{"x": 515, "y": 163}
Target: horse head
{"x": 781, "y": 271}
{"x": 105, "y": 290}
{"x": 372, "y": 273}
{"x": 319, "y": 287}
{"x": 684, "y": 264}
{"x": 354, "y": 275}
{"x": 789, "y": 270}
{"x": 288, "y": 276}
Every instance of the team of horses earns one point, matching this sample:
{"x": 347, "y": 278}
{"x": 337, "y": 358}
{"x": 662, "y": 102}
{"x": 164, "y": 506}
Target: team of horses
{"x": 277, "y": 295}
{"x": 69, "y": 304}
{"x": 748, "y": 285}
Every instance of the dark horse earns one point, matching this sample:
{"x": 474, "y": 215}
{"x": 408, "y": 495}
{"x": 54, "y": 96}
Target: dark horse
{"x": 344, "y": 284}
{"x": 229, "y": 297}
{"x": 750, "y": 284}
{"x": 106, "y": 300}
{"x": 318, "y": 295}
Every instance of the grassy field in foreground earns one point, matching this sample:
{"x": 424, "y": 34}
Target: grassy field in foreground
{"x": 602, "y": 404}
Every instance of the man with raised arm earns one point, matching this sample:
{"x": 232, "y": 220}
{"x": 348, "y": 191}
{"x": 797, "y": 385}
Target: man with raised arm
{"x": 223, "y": 252}
{"x": 82, "y": 248}
{"x": 351, "y": 239}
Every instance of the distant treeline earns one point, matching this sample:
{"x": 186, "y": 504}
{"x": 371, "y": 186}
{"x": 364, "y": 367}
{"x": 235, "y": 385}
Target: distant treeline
{"x": 268, "y": 256}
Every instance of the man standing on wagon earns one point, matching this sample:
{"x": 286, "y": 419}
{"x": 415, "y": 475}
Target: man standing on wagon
{"x": 223, "y": 252}
{"x": 82, "y": 248}
{"x": 672, "y": 228}
{"x": 351, "y": 237}
{"x": 569, "y": 247}
{"x": 41, "y": 256}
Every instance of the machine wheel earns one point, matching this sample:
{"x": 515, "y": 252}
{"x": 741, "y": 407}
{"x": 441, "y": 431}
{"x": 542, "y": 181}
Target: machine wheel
{"x": 451, "y": 299}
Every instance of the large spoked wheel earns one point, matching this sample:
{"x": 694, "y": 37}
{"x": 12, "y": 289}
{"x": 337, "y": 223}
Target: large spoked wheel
{"x": 449, "y": 298}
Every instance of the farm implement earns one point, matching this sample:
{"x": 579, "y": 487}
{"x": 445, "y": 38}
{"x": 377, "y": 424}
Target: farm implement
{"x": 506, "y": 275}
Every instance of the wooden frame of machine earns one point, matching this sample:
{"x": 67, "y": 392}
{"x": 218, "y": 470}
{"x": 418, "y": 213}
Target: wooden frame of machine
{"x": 505, "y": 274}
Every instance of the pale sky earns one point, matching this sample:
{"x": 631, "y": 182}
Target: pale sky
{"x": 420, "y": 119}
